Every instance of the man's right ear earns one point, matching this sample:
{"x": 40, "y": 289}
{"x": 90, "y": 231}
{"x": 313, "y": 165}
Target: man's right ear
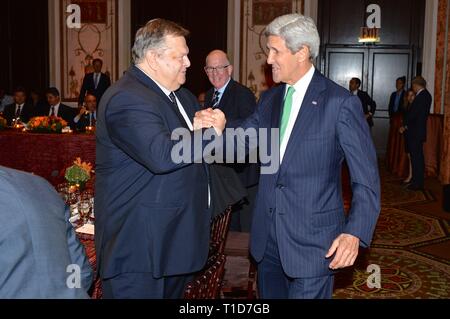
{"x": 151, "y": 59}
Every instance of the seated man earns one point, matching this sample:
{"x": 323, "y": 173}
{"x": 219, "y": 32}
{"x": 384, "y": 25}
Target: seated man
{"x": 56, "y": 108}
{"x": 88, "y": 113}
{"x": 20, "y": 109}
{"x": 40, "y": 254}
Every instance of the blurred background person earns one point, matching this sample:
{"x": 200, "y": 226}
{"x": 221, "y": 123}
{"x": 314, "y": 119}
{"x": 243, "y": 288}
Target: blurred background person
{"x": 407, "y": 102}
{"x": 95, "y": 83}
{"x": 56, "y": 108}
{"x": 87, "y": 115}
{"x": 238, "y": 103}
{"x": 20, "y": 109}
{"x": 397, "y": 98}
{"x": 369, "y": 106}
{"x": 37, "y": 241}
{"x": 416, "y": 131}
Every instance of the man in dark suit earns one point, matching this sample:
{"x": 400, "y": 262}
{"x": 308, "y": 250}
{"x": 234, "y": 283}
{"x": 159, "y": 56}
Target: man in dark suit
{"x": 95, "y": 83}
{"x": 368, "y": 105}
{"x": 41, "y": 256}
{"x": 300, "y": 234}
{"x": 56, "y": 108}
{"x": 20, "y": 109}
{"x": 87, "y": 116}
{"x": 237, "y": 102}
{"x": 396, "y": 98}
{"x": 151, "y": 212}
{"x": 416, "y": 131}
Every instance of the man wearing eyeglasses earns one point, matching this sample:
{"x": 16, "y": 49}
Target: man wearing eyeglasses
{"x": 237, "y": 102}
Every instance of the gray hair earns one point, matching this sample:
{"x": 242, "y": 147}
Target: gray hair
{"x": 298, "y": 31}
{"x": 420, "y": 81}
{"x": 153, "y": 35}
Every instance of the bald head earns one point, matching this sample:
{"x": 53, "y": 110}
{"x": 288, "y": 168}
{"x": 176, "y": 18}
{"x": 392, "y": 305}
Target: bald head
{"x": 218, "y": 68}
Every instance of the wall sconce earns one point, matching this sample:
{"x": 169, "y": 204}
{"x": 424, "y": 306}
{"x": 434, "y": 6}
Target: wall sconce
{"x": 369, "y": 35}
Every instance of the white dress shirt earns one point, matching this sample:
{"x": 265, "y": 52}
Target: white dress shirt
{"x": 55, "y": 112}
{"x": 17, "y": 107}
{"x": 180, "y": 106}
{"x": 297, "y": 99}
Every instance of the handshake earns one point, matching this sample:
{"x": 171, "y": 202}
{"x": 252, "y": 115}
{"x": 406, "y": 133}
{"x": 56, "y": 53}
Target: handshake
{"x": 210, "y": 118}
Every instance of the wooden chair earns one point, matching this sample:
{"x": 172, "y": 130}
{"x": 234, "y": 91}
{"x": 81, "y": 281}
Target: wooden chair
{"x": 208, "y": 282}
{"x": 219, "y": 230}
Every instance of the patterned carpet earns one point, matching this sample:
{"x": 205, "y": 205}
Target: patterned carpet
{"x": 411, "y": 247}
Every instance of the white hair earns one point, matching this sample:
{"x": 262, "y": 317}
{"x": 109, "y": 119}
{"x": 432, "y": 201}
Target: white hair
{"x": 298, "y": 31}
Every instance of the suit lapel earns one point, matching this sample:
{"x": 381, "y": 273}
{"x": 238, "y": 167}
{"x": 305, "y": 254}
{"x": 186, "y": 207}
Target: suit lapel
{"x": 149, "y": 83}
{"x": 277, "y": 105}
{"x": 226, "y": 95}
{"x": 311, "y": 102}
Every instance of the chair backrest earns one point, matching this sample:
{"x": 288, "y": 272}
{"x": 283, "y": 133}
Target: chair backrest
{"x": 219, "y": 230}
{"x": 208, "y": 282}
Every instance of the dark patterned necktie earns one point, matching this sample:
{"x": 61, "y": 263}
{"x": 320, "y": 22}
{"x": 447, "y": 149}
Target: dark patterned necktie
{"x": 215, "y": 99}
{"x": 177, "y": 110}
{"x": 52, "y": 110}
{"x": 18, "y": 111}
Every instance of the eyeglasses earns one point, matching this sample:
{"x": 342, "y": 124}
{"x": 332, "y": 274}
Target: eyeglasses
{"x": 210, "y": 69}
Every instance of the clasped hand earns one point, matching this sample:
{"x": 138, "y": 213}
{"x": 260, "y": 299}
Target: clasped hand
{"x": 210, "y": 118}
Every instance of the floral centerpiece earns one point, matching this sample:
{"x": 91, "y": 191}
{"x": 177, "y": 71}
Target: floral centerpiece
{"x": 79, "y": 173}
{"x": 3, "y": 123}
{"x": 46, "y": 124}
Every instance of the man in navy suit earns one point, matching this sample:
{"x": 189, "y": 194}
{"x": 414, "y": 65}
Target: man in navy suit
{"x": 87, "y": 116}
{"x": 237, "y": 102}
{"x": 416, "y": 131}
{"x": 368, "y": 105}
{"x": 20, "y": 109}
{"x": 41, "y": 256}
{"x": 396, "y": 98}
{"x": 152, "y": 215}
{"x": 95, "y": 83}
{"x": 56, "y": 108}
{"x": 300, "y": 234}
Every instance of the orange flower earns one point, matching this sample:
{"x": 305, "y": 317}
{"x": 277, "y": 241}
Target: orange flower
{"x": 84, "y": 165}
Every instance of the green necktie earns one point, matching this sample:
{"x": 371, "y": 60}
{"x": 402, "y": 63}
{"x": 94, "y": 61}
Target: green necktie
{"x": 286, "y": 111}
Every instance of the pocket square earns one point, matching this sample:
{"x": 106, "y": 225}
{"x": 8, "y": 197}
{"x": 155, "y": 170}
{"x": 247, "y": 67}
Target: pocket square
{"x": 314, "y": 102}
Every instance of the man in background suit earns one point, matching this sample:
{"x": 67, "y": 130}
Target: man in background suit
{"x": 368, "y": 105}
{"x": 56, "y": 108}
{"x": 237, "y": 102}
{"x": 20, "y": 109}
{"x": 95, "y": 83}
{"x": 152, "y": 218}
{"x": 87, "y": 116}
{"x": 416, "y": 131}
{"x": 300, "y": 234}
{"x": 396, "y": 98}
{"x": 37, "y": 242}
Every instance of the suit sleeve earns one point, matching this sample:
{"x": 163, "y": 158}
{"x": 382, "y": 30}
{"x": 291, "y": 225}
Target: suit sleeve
{"x": 78, "y": 254}
{"x": 247, "y": 104}
{"x": 356, "y": 143}
{"x": 137, "y": 127}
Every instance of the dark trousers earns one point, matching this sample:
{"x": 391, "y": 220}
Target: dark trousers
{"x": 273, "y": 283}
{"x": 241, "y": 218}
{"x": 144, "y": 286}
{"x": 417, "y": 163}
